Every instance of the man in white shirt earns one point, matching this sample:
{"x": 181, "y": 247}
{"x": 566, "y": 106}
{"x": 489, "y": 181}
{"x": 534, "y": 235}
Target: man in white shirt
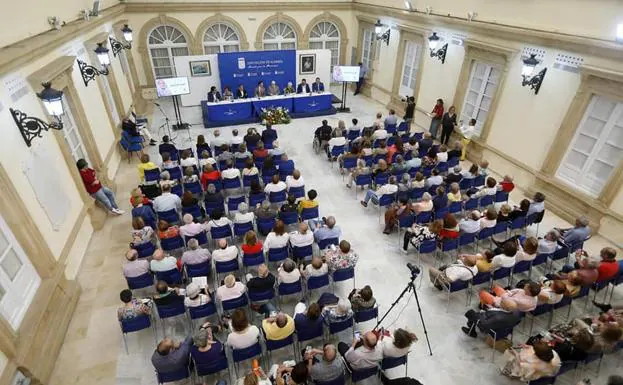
{"x": 295, "y": 180}
{"x": 167, "y": 201}
{"x": 434, "y": 180}
{"x": 276, "y": 185}
{"x": 471, "y": 224}
{"x": 231, "y": 289}
{"x": 195, "y": 254}
{"x": 463, "y": 270}
{"x": 218, "y": 140}
{"x": 236, "y": 140}
{"x": 230, "y": 172}
{"x": 337, "y": 141}
{"x": 506, "y": 258}
{"x": 355, "y": 126}
{"x": 224, "y": 253}
{"x": 161, "y": 262}
{"x": 362, "y": 356}
{"x": 549, "y": 243}
{"x": 303, "y": 237}
{"x": 379, "y": 134}
{"x": 391, "y": 119}
{"x": 467, "y": 133}
{"x": 386, "y": 189}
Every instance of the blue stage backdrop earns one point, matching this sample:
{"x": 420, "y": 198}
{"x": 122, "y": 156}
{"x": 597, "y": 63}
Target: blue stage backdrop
{"x": 248, "y": 68}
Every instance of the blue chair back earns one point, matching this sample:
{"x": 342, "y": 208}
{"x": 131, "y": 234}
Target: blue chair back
{"x": 393, "y": 362}
{"x": 502, "y": 272}
{"x": 198, "y": 269}
{"x": 560, "y": 253}
{"x": 309, "y": 213}
{"x": 233, "y": 202}
{"x": 169, "y": 216}
{"x": 566, "y": 301}
{"x": 324, "y": 243}
{"x": 424, "y": 217}
{"x": 235, "y": 303}
{"x": 255, "y": 199}
{"x": 317, "y": 282}
{"x": 240, "y": 229}
{"x": 338, "y": 381}
{"x": 175, "y": 173}
{"x": 428, "y": 246}
{"x": 449, "y": 244}
{"x": 543, "y": 381}
{"x": 500, "y": 227}
{"x": 298, "y": 192}
{"x": 177, "y": 375}
{"x": 289, "y": 217}
{"x": 290, "y": 288}
{"x": 465, "y": 184}
{"x": 466, "y": 238}
{"x": 540, "y": 259}
{"x": 248, "y": 179}
{"x": 387, "y": 199}
{"x": 272, "y": 345}
{"x": 391, "y": 128}
{"x": 501, "y": 196}
{"x": 220, "y": 232}
{"x": 481, "y": 278}
{"x": 362, "y": 374}
{"x": 278, "y": 196}
{"x": 583, "y": 292}
{"x": 441, "y": 213}
{"x": 254, "y": 350}
{"x": 417, "y": 193}
{"x": 265, "y": 225}
{"x": 479, "y": 181}
{"x": 522, "y": 267}
{"x": 350, "y": 162}
{"x": 302, "y": 252}
{"x": 213, "y": 367}
{"x": 240, "y": 163}
{"x": 231, "y": 183}
{"x": 202, "y": 238}
{"x": 140, "y": 282}
{"x": 485, "y": 233}
{"x": 256, "y": 259}
{"x": 368, "y": 159}
{"x": 277, "y": 254}
{"x": 459, "y": 285}
{"x": 542, "y": 309}
{"x": 487, "y": 200}
{"x": 336, "y": 327}
{"x": 471, "y": 204}
{"x": 172, "y": 310}
{"x": 455, "y": 207}
{"x": 145, "y": 249}
{"x": 262, "y": 295}
{"x": 352, "y": 135}
{"x": 227, "y": 266}
{"x": 170, "y": 244}
{"x": 194, "y": 188}
{"x": 135, "y": 324}
{"x": 336, "y": 151}
{"x": 363, "y": 180}
{"x": 381, "y": 179}
{"x": 152, "y": 175}
{"x": 442, "y": 167}
{"x": 452, "y": 162}
{"x": 405, "y": 221}
{"x": 517, "y": 223}
{"x": 172, "y": 277}
{"x": 366, "y": 314}
{"x": 211, "y": 206}
{"x": 344, "y": 274}
{"x": 203, "y": 311}
{"x": 195, "y": 211}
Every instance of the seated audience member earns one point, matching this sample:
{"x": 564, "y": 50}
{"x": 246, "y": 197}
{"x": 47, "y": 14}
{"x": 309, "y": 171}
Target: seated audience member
{"x": 255, "y": 189}
{"x": 145, "y": 164}
{"x": 144, "y": 212}
{"x": 326, "y": 229}
{"x": 381, "y": 135}
{"x": 131, "y": 308}
{"x": 488, "y": 189}
{"x": 341, "y": 257}
{"x": 310, "y": 202}
{"x": 504, "y": 213}
{"x": 525, "y": 298}
{"x": 230, "y": 171}
{"x": 166, "y": 146}
{"x": 396, "y": 211}
{"x": 434, "y": 180}
{"x": 381, "y": 168}
{"x": 224, "y": 253}
{"x": 171, "y": 356}
{"x": 236, "y": 139}
{"x": 411, "y": 146}
{"x": 252, "y": 138}
{"x": 549, "y": 243}
{"x": 249, "y": 168}
{"x": 608, "y": 267}
{"x": 355, "y": 126}
{"x": 217, "y": 219}
{"x": 361, "y": 169}
{"x": 471, "y": 224}
{"x": 527, "y": 251}
{"x": 506, "y": 185}
{"x": 390, "y": 188}
{"x": 425, "y": 204}
{"x": 206, "y": 348}
{"x": 324, "y": 365}
{"x": 162, "y": 262}
{"x": 226, "y": 155}
{"x": 472, "y": 173}
{"x": 262, "y": 283}
{"x": 243, "y": 215}
{"x": 521, "y": 211}
{"x": 362, "y": 299}
{"x": 430, "y": 159}
{"x": 166, "y": 231}
{"x": 404, "y": 186}
{"x": 551, "y": 292}
{"x": 442, "y": 154}
{"x": 336, "y": 141}
{"x": 489, "y": 218}
{"x": 538, "y": 204}
{"x": 463, "y": 270}
{"x": 456, "y": 150}
{"x": 230, "y": 289}
{"x": 265, "y": 211}
{"x": 134, "y": 267}
{"x": 484, "y": 167}
{"x": 302, "y": 237}
{"x": 243, "y": 333}
{"x": 190, "y": 228}
{"x": 574, "y": 347}
{"x": 529, "y": 363}
{"x": 426, "y": 142}
{"x": 417, "y": 234}
{"x": 100, "y": 193}
{"x": 209, "y": 175}
{"x": 398, "y": 344}
{"x": 167, "y": 162}
{"x": 141, "y": 233}
{"x": 195, "y": 254}
{"x": 188, "y": 200}
{"x": 195, "y": 296}
{"x": 454, "y": 195}
{"x": 316, "y": 268}
{"x": 187, "y": 159}
{"x": 419, "y": 181}
{"x": 455, "y": 176}
{"x": 290, "y": 206}
{"x": 363, "y": 353}
{"x": 337, "y": 312}
{"x": 260, "y": 152}
{"x": 278, "y": 327}
{"x": 495, "y": 319}
{"x": 293, "y": 375}
{"x": 251, "y": 244}
{"x": 287, "y": 272}
{"x": 242, "y": 152}
{"x": 440, "y": 201}
{"x": 505, "y": 256}
{"x": 295, "y": 180}
{"x": 484, "y": 261}
{"x": 166, "y": 296}
{"x": 165, "y": 180}
{"x": 136, "y": 195}
{"x": 167, "y": 201}
{"x": 578, "y": 234}
{"x": 276, "y": 185}
{"x": 212, "y": 196}
{"x": 277, "y": 238}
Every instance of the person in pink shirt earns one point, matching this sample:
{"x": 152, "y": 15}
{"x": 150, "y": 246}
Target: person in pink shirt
{"x": 526, "y": 298}
{"x": 190, "y": 228}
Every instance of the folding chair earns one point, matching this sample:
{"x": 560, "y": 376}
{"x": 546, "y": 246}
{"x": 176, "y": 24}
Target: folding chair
{"x": 344, "y": 274}
{"x": 140, "y": 282}
{"x": 135, "y": 324}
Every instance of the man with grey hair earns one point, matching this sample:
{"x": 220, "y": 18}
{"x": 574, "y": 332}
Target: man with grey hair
{"x": 161, "y": 262}
{"x": 224, "y": 253}
{"x": 363, "y": 353}
{"x": 134, "y": 267}
{"x": 218, "y": 140}
{"x": 303, "y": 237}
{"x": 236, "y": 139}
{"x": 456, "y": 151}
{"x": 195, "y": 254}
{"x": 243, "y": 215}
{"x": 455, "y": 176}
{"x": 327, "y": 230}
{"x": 578, "y": 234}
{"x": 549, "y": 243}
{"x": 324, "y": 365}
{"x": 390, "y": 188}
{"x": 471, "y": 224}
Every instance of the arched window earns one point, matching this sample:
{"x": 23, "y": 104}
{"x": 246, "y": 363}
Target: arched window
{"x": 326, "y": 35}
{"x": 221, "y": 37}
{"x": 164, "y": 43}
{"x": 279, "y": 36}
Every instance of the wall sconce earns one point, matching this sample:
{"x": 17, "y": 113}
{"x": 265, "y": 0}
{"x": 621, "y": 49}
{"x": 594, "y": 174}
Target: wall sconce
{"x": 88, "y": 71}
{"x": 527, "y": 70}
{"x": 116, "y": 45}
{"x": 380, "y": 35}
{"x": 29, "y": 126}
{"x": 433, "y": 42}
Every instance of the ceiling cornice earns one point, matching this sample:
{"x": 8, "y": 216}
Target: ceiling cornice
{"x": 148, "y": 7}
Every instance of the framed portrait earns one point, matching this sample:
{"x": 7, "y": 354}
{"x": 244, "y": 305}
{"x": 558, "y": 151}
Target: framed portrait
{"x": 200, "y": 68}
{"x": 307, "y": 64}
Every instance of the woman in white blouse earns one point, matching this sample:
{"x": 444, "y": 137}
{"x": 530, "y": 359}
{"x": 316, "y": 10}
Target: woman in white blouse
{"x": 397, "y": 345}
{"x": 426, "y": 204}
{"x": 489, "y": 219}
{"x": 277, "y": 238}
{"x": 288, "y": 273}
{"x": 242, "y": 333}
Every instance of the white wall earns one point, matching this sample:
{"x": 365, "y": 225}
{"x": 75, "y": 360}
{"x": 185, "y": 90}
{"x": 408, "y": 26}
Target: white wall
{"x": 199, "y": 85}
{"x": 323, "y": 66}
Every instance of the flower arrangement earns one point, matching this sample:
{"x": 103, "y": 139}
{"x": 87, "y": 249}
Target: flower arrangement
{"x": 278, "y": 115}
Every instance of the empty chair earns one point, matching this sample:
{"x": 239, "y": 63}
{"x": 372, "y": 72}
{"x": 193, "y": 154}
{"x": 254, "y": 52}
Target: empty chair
{"x": 394, "y": 362}
{"x": 365, "y": 315}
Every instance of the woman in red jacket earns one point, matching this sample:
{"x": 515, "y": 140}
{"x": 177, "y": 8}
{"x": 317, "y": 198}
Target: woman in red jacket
{"x": 436, "y": 115}
{"x": 102, "y": 194}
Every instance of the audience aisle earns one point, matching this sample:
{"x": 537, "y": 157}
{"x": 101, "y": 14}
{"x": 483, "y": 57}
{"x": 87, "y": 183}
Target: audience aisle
{"x": 93, "y": 351}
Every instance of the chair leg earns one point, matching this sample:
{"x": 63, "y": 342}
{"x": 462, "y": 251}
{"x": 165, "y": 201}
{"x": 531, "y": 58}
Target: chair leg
{"x": 125, "y": 343}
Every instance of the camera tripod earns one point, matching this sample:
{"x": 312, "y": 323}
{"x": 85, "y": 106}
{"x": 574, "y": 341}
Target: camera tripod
{"x": 410, "y": 287}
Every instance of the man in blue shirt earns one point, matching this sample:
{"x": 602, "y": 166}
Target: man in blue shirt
{"x": 303, "y": 88}
{"x": 327, "y": 230}
{"x": 577, "y": 234}
{"x": 269, "y": 134}
{"x": 165, "y": 146}
{"x": 318, "y": 86}
{"x": 171, "y": 356}
{"x": 363, "y": 71}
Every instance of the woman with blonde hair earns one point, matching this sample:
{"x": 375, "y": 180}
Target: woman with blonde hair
{"x": 454, "y": 195}
{"x": 426, "y": 204}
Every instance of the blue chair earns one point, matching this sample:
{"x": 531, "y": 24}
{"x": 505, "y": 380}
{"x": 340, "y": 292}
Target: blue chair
{"x": 178, "y": 375}
{"x": 239, "y": 355}
{"x": 367, "y": 314}
{"x": 501, "y": 196}
{"x": 424, "y": 217}
{"x": 265, "y": 225}
{"x": 172, "y": 277}
{"x": 385, "y": 200}
{"x": 248, "y": 179}
{"x": 443, "y": 167}
{"x": 220, "y": 232}
{"x": 339, "y": 326}
{"x": 394, "y": 362}
{"x": 318, "y": 282}
{"x": 277, "y": 197}
{"x": 240, "y": 163}
{"x": 427, "y": 247}
{"x": 310, "y": 213}
{"x": 500, "y": 227}
{"x": 289, "y": 217}
{"x": 522, "y": 267}
{"x": 499, "y": 335}
{"x": 255, "y": 199}
{"x": 543, "y": 381}
{"x": 130, "y": 145}
{"x": 369, "y": 160}
{"x": 481, "y": 278}
{"x": 240, "y": 229}
{"x": 449, "y": 245}
{"x": 140, "y": 282}
{"x": 195, "y": 211}
{"x": 466, "y": 239}
{"x": 466, "y": 184}
{"x": 560, "y": 253}
{"x": 344, "y": 274}
{"x": 452, "y": 162}
{"x": 457, "y": 286}
{"x": 566, "y": 301}
{"x": 232, "y": 183}
{"x": 211, "y": 206}
{"x": 303, "y": 252}
{"x": 175, "y": 173}
{"x": 145, "y": 249}
{"x": 235, "y": 303}
{"x": 485, "y": 233}
{"x": 417, "y": 193}
{"x": 213, "y": 367}
{"x": 172, "y": 310}
{"x": 272, "y": 345}
{"x": 361, "y": 181}
{"x": 381, "y": 179}
{"x": 404, "y": 222}
{"x": 352, "y": 135}
{"x": 517, "y": 223}
{"x": 170, "y": 216}
{"x": 172, "y": 244}
{"x": 349, "y": 163}
{"x": 362, "y": 374}
{"x": 298, "y": 192}
{"x": 324, "y": 243}
{"x": 441, "y": 213}
{"x": 226, "y": 267}
{"x": 249, "y": 260}
{"x": 486, "y": 201}
{"x": 195, "y": 188}
{"x": 502, "y": 272}
{"x": 202, "y": 311}
{"x": 470, "y": 204}
{"x": 337, "y": 151}
{"x": 539, "y": 310}
{"x": 198, "y": 269}
{"x": 152, "y": 176}
{"x": 290, "y": 288}
{"x": 479, "y": 181}
{"x": 261, "y": 296}
{"x": 391, "y": 128}
{"x": 177, "y": 190}
{"x": 202, "y": 238}
{"x": 455, "y": 207}
{"x": 233, "y": 202}
{"x": 135, "y": 324}
{"x": 539, "y": 259}
{"x": 277, "y": 254}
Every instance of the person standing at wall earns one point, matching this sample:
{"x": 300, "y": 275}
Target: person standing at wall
{"x": 100, "y": 193}
{"x": 363, "y": 71}
{"x": 448, "y": 124}
{"x": 436, "y": 115}
{"x": 467, "y": 133}
{"x": 409, "y": 110}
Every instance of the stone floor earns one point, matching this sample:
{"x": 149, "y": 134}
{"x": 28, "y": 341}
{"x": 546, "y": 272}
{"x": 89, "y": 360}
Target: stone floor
{"x": 94, "y": 354}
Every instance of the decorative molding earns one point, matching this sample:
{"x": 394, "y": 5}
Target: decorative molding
{"x": 220, "y": 18}
{"x": 329, "y": 17}
{"x": 206, "y": 7}
{"x": 143, "y": 35}
{"x": 279, "y": 17}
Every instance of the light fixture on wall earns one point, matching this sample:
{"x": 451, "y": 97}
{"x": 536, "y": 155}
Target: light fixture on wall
{"x": 408, "y": 6}
{"x": 116, "y": 45}
{"x": 29, "y": 126}
{"x": 439, "y": 53}
{"x": 527, "y": 70}
{"x": 88, "y": 71}
{"x": 380, "y": 35}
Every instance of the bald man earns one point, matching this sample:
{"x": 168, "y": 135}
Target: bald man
{"x": 497, "y": 320}
{"x": 171, "y": 356}
{"x": 327, "y": 366}
{"x": 327, "y": 230}
{"x": 303, "y": 237}
{"x": 161, "y": 262}
{"x": 295, "y": 180}
{"x": 363, "y": 353}
{"x": 224, "y": 253}
{"x": 264, "y": 282}
{"x": 278, "y": 327}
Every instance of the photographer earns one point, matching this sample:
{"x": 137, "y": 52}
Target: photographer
{"x": 409, "y": 110}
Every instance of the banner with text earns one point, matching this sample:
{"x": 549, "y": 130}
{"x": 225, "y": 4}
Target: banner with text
{"x": 248, "y": 68}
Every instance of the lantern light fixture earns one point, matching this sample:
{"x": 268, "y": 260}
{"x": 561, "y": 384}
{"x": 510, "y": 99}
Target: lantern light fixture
{"x": 31, "y": 127}
{"x": 527, "y": 69}
{"x": 88, "y": 71}
{"x": 127, "y": 33}
{"x": 380, "y": 35}
{"x": 433, "y": 44}
{"x": 118, "y": 46}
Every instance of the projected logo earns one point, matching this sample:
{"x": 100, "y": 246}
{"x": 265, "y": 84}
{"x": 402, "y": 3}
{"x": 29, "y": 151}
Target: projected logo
{"x": 230, "y": 112}
{"x": 241, "y": 63}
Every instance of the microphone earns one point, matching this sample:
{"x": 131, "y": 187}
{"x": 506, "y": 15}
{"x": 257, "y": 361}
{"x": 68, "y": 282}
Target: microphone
{"x": 157, "y": 104}
{"x": 415, "y": 270}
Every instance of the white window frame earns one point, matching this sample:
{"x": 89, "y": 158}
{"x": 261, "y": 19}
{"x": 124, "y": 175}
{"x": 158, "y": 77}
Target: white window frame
{"x": 19, "y": 291}
{"x": 584, "y": 178}
{"x": 170, "y": 48}
{"x": 480, "y": 91}
{"x": 278, "y": 42}
{"x": 319, "y": 37}
{"x": 410, "y": 68}
{"x": 69, "y": 127}
{"x": 367, "y": 48}
{"x": 222, "y": 31}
